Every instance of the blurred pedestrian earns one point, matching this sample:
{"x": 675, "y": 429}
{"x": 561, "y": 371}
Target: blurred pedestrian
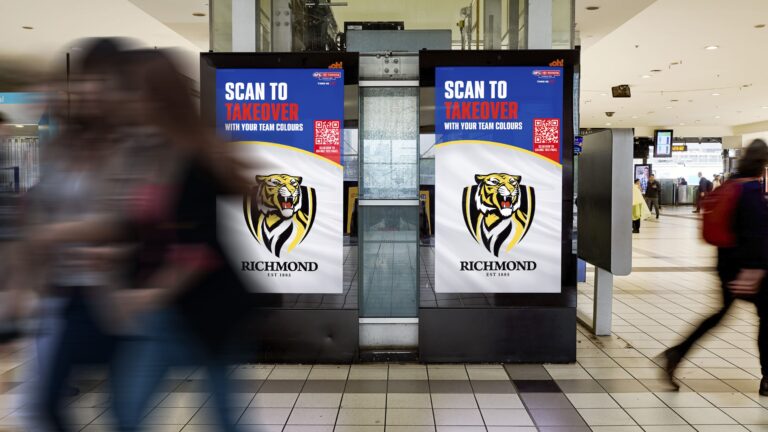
{"x": 188, "y": 303}
{"x": 705, "y": 187}
{"x": 742, "y": 265}
{"x": 639, "y": 208}
{"x": 652, "y": 194}
{"x": 716, "y": 181}
{"x": 72, "y": 189}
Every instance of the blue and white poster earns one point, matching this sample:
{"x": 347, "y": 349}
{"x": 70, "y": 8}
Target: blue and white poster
{"x": 285, "y": 234}
{"x": 498, "y": 175}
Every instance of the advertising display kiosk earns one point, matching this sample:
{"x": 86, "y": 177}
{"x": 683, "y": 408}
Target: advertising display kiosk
{"x": 283, "y": 115}
{"x": 492, "y": 193}
{"x": 504, "y": 269}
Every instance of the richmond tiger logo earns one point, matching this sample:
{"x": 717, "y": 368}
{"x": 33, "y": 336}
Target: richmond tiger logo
{"x": 498, "y": 210}
{"x": 280, "y": 212}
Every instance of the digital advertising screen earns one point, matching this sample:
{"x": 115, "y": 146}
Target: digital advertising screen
{"x": 499, "y": 179}
{"x": 662, "y": 143}
{"x": 643, "y": 173}
{"x": 285, "y": 234}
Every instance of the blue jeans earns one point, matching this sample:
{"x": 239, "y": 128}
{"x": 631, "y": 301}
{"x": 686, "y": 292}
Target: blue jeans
{"x": 143, "y": 362}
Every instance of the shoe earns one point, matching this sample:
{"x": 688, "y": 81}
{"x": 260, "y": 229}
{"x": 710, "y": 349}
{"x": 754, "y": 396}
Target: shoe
{"x": 764, "y": 387}
{"x": 673, "y": 359}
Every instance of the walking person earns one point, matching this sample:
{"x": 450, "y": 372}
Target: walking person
{"x": 741, "y": 265}
{"x": 188, "y": 304}
{"x": 717, "y": 181}
{"x": 705, "y": 187}
{"x": 652, "y": 194}
{"x": 639, "y": 208}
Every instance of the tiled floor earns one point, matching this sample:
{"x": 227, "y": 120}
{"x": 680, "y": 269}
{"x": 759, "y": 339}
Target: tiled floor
{"x": 614, "y": 386}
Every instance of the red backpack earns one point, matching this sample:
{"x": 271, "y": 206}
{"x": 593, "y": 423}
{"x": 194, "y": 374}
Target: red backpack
{"x": 718, "y": 209}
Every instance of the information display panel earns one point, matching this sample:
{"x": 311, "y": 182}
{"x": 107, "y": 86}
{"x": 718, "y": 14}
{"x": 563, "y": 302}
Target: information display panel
{"x": 285, "y": 235}
{"x": 499, "y": 179}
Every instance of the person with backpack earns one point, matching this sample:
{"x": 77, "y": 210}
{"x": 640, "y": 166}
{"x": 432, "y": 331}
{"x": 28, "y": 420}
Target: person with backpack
{"x": 705, "y": 187}
{"x": 736, "y": 221}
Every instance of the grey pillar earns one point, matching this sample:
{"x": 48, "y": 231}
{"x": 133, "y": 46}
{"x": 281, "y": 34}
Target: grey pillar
{"x": 238, "y": 25}
{"x": 282, "y": 33}
{"x": 539, "y": 24}
{"x": 245, "y": 25}
{"x": 603, "y": 303}
{"x": 492, "y": 24}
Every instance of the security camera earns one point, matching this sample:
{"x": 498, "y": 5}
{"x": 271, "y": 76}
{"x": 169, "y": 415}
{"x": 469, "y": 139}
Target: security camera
{"x": 609, "y": 113}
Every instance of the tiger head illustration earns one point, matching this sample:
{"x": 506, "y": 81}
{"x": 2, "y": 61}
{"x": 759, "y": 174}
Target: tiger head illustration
{"x": 279, "y": 194}
{"x": 279, "y": 211}
{"x": 498, "y": 192}
{"x": 498, "y": 210}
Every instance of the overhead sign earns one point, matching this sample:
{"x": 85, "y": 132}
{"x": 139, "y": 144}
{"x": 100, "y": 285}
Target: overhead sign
{"x": 679, "y": 147}
{"x": 285, "y": 235}
{"x": 498, "y": 180}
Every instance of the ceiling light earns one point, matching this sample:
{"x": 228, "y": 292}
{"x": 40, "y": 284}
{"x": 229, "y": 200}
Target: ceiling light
{"x": 27, "y": 27}
{"x": 645, "y": 76}
{"x": 607, "y": 124}
{"x": 668, "y": 107}
{"x": 717, "y": 116}
{"x": 603, "y": 94}
{"x": 711, "y": 47}
{"x": 19, "y": 126}
{"x": 715, "y": 94}
{"x": 198, "y": 14}
{"x": 764, "y": 107}
{"x": 593, "y": 8}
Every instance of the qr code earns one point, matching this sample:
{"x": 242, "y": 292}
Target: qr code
{"x": 546, "y": 131}
{"x": 327, "y": 133}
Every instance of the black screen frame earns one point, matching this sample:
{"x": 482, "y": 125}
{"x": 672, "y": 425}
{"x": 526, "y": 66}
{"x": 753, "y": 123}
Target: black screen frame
{"x": 569, "y": 61}
{"x": 656, "y": 133}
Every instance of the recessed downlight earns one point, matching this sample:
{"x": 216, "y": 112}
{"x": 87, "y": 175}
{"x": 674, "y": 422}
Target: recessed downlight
{"x": 603, "y": 94}
{"x": 711, "y": 47}
{"x": 715, "y": 94}
{"x": 645, "y": 76}
{"x": 27, "y": 27}
{"x": 592, "y": 8}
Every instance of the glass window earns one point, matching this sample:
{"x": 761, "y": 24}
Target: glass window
{"x": 390, "y": 143}
{"x": 389, "y": 261}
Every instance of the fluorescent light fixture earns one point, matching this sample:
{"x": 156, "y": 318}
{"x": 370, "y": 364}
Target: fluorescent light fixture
{"x": 711, "y": 47}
